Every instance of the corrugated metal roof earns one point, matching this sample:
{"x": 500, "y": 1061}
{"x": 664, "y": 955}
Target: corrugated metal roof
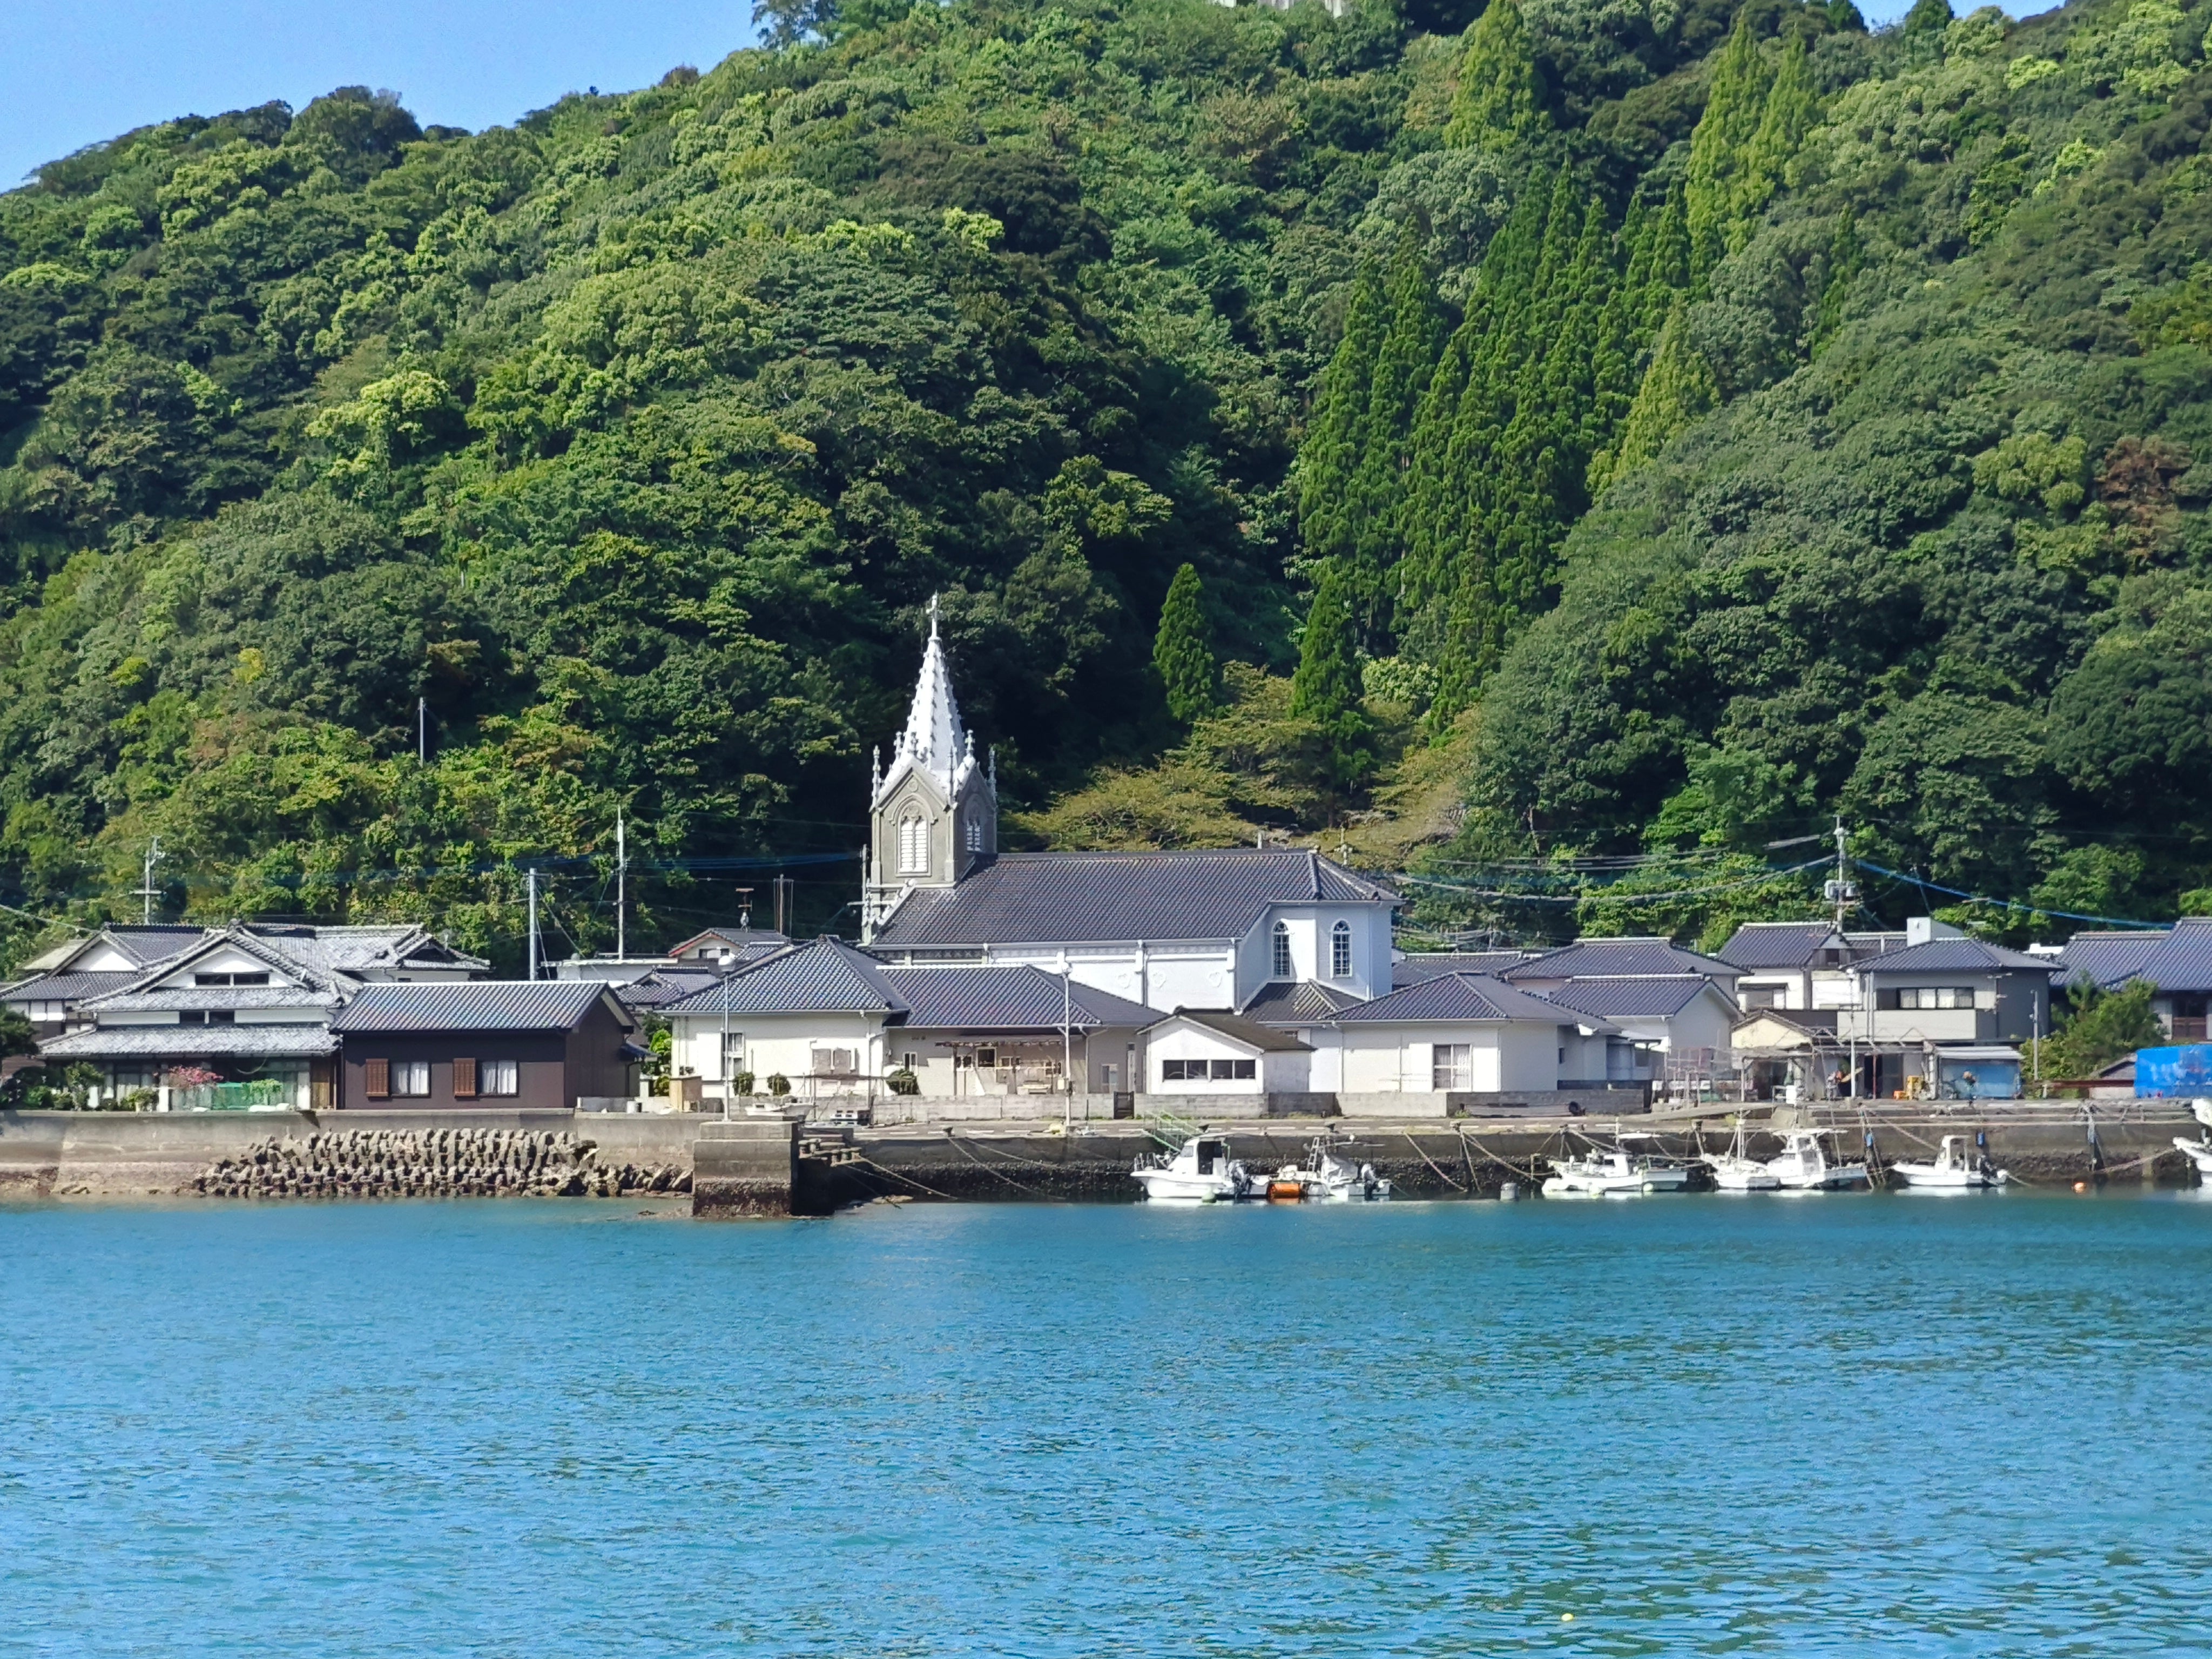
{"x": 1011, "y": 999}
{"x": 1776, "y": 943}
{"x": 1250, "y": 1032}
{"x": 273, "y": 1041}
{"x": 1296, "y": 1002}
{"x": 513, "y": 1005}
{"x": 2110, "y": 960}
{"x": 1945, "y": 956}
{"x": 1603, "y": 958}
{"x": 825, "y": 976}
{"x": 1659, "y": 994}
{"x": 1476, "y": 997}
{"x": 1024, "y": 898}
{"x": 1427, "y": 964}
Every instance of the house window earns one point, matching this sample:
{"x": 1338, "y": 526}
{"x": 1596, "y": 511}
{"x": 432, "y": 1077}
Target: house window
{"x": 1765, "y": 996}
{"x": 1203, "y": 1070}
{"x": 733, "y": 1053}
{"x": 464, "y": 1079}
{"x": 1339, "y": 951}
{"x": 499, "y": 1077}
{"x": 230, "y": 979}
{"x": 913, "y": 844}
{"x": 1926, "y": 996}
{"x": 986, "y": 1056}
{"x": 1451, "y": 1066}
{"x": 1282, "y": 961}
{"x": 835, "y": 1062}
{"x": 410, "y": 1078}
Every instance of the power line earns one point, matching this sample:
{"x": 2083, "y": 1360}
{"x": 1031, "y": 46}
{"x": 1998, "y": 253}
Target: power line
{"x": 2009, "y": 904}
{"x": 1632, "y": 897}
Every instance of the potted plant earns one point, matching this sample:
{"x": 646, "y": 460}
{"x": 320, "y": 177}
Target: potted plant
{"x": 778, "y": 1084}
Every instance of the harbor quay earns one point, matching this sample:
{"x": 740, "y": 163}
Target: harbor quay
{"x": 772, "y": 1166}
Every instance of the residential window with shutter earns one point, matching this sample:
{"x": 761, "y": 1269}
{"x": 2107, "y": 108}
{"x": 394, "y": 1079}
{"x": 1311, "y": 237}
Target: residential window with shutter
{"x": 465, "y": 1079}
{"x": 376, "y": 1079}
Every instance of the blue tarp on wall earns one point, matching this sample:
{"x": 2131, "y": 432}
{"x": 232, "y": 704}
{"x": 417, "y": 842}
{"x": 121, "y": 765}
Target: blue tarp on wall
{"x": 2162, "y": 1073}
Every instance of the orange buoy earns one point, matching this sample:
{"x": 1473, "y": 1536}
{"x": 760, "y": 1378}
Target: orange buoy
{"x": 1279, "y": 1192}
{"x": 2081, "y": 1186}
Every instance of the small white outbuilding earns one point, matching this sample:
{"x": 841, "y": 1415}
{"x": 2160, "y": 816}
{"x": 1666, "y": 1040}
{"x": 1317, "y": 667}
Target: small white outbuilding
{"x": 1200, "y": 1052}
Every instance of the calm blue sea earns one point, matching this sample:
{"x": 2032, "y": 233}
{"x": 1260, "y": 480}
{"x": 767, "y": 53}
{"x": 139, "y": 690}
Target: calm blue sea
{"x": 1823, "y": 1425}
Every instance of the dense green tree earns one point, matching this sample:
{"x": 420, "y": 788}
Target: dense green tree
{"x": 1326, "y": 690}
{"x": 1501, "y": 91}
{"x": 1182, "y": 651}
{"x": 1677, "y": 389}
{"x": 2098, "y": 1027}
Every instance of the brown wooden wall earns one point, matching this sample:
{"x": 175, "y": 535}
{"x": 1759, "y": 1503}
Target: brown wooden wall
{"x": 553, "y": 1069}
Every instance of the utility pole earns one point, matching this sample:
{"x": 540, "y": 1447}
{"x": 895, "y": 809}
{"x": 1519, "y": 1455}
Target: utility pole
{"x": 1842, "y": 891}
{"x": 1066, "y": 1046}
{"x": 621, "y": 891}
{"x": 422, "y": 731}
{"x": 783, "y": 884}
{"x": 147, "y": 889}
{"x": 532, "y": 877}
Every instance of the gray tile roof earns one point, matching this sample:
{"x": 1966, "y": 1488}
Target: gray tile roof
{"x": 830, "y": 976}
{"x": 664, "y": 986}
{"x": 1250, "y": 1032}
{"x": 2181, "y": 962}
{"x": 66, "y": 987}
{"x": 1427, "y": 964}
{"x": 1662, "y": 994}
{"x": 512, "y": 1004}
{"x": 1022, "y": 898}
{"x": 2110, "y": 960}
{"x": 1296, "y": 1002}
{"x": 1595, "y": 958}
{"x": 825, "y": 976}
{"x": 207, "y": 996}
{"x": 1476, "y": 997}
{"x": 1011, "y": 999}
{"x": 1776, "y": 943}
{"x": 274, "y": 1042}
{"x": 1963, "y": 956}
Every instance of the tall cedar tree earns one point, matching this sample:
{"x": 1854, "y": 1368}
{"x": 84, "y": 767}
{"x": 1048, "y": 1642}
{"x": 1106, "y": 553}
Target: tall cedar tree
{"x": 1326, "y": 690}
{"x": 1677, "y": 389}
{"x": 1183, "y": 649}
{"x": 1501, "y": 90}
{"x": 1720, "y": 142}
{"x": 1404, "y": 367}
{"x": 1330, "y": 455}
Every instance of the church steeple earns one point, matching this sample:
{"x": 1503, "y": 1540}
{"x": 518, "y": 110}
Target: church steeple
{"x": 934, "y": 809}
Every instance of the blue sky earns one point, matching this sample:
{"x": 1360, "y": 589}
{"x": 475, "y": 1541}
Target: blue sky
{"x": 76, "y": 71}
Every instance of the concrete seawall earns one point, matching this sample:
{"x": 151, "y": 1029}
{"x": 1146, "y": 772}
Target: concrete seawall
{"x": 771, "y": 1166}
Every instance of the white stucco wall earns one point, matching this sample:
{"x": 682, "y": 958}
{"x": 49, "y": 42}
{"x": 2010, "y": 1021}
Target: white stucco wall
{"x": 1275, "y": 1072}
{"x": 1394, "y": 1059}
{"x": 1310, "y": 928}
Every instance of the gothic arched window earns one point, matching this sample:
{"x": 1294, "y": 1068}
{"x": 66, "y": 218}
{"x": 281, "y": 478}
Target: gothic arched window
{"x": 1282, "y": 966}
{"x": 913, "y": 844}
{"x": 975, "y": 829}
{"x": 1339, "y": 951}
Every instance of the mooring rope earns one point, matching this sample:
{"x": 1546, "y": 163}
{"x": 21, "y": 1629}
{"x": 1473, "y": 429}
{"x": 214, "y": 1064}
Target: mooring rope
{"x": 988, "y": 1169}
{"x": 1431, "y": 1162}
{"x": 909, "y": 1180}
{"x": 1528, "y": 1174}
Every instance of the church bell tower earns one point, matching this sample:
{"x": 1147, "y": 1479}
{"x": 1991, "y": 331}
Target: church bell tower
{"x": 933, "y": 815}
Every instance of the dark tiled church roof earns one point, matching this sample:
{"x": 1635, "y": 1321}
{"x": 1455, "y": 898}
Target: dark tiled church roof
{"x": 1021, "y": 898}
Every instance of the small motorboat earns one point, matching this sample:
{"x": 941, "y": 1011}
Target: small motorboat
{"x": 1614, "y": 1173}
{"x": 1329, "y": 1177}
{"x": 1956, "y": 1168}
{"x": 1736, "y": 1171}
{"x": 1201, "y": 1172}
{"x": 1802, "y": 1166}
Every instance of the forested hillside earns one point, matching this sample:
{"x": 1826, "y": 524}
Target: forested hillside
{"x": 1643, "y": 429}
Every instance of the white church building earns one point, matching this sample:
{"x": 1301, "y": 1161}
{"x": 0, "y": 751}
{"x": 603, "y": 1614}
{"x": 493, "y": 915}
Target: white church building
{"x": 1263, "y": 972}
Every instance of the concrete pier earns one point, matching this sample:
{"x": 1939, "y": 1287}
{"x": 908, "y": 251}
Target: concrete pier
{"x": 776, "y": 1166}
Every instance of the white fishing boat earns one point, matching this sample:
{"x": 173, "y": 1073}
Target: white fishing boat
{"x": 1958, "y": 1167}
{"x": 1802, "y": 1166}
{"x": 2199, "y": 1153}
{"x": 1327, "y": 1176}
{"x": 1736, "y": 1171}
{"x": 1201, "y": 1172}
{"x": 1613, "y": 1173}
